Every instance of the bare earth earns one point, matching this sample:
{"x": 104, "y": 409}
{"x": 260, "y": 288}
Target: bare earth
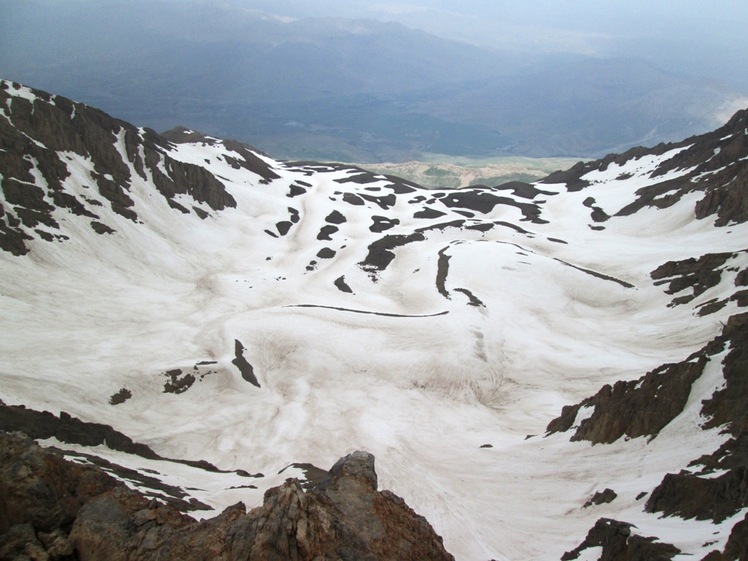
{"x": 450, "y": 171}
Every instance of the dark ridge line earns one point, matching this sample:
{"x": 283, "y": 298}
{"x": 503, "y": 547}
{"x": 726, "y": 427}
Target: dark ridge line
{"x": 40, "y": 425}
{"x": 473, "y": 299}
{"x": 442, "y": 270}
{"x": 146, "y": 484}
{"x": 596, "y": 274}
{"x": 312, "y": 473}
{"x": 385, "y": 314}
{"x": 441, "y": 279}
{"x": 578, "y": 268}
{"x": 245, "y": 368}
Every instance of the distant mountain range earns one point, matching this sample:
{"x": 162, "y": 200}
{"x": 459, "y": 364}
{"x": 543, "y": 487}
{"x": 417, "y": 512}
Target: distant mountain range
{"x": 345, "y": 90}
{"x": 547, "y": 370}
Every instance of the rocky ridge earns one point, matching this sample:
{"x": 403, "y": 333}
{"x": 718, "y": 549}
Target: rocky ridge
{"x": 55, "y": 509}
{"x": 714, "y": 487}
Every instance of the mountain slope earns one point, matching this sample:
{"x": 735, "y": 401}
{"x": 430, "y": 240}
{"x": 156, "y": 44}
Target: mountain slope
{"x": 214, "y": 304}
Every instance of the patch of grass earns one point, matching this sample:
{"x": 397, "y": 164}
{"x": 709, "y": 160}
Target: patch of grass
{"x": 438, "y": 170}
{"x": 501, "y": 179}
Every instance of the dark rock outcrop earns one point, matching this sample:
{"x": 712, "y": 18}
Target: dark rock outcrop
{"x": 342, "y": 517}
{"x": 483, "y": 200}
{"x": 44, "y": 129}
{"x": 54, "y": 509}
{"x": 71, "y": 430}
{"x": 601, "y": 497}
{"x": 381, "y": 252}
{"x": 699, "y": 275}
{"x": 342, "y": 286}
{"x": 736, "y": 548}
{"x": 245, "y": 368}
{"x": 688, "y": 494}
{"x": 41, "y": 493}
{"x": 395, "y": 184}
{"x": 716, "y": 167}
{"x": 635, "y": 408}
{"x": 66, "y": 428}
{"x": 619, "y": 543}
{"x": 727, "y": 407}
{"x": 643, "y": 407}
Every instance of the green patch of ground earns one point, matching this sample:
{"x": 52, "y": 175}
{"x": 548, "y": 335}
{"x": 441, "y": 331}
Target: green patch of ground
{"x": 438, "y": 170}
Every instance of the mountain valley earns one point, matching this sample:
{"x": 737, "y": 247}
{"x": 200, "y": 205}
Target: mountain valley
{"x": 554, "y": 369}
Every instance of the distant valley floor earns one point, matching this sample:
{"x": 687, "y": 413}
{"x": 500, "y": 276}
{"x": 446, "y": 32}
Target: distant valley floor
{"x": 438, "y": 170}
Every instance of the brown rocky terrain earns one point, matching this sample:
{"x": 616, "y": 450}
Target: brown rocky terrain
{"x": 55, "y": 509}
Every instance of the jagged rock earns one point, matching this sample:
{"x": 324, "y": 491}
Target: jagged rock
{"x": 690, "y": 496}
{"x": 342, "y": 517}
{"x": 619, "y": 543}
{"x": 727, "y": 407}
{"x": 644, "y": 406}
{"x": 635, "y": 408}
{"x": 121, "y": 525}
{"x": 40, "y": 488}
{"x": 177, "y": 381}
{"x": 601, "y": 497}
{"x": 52, "y": 125}
{"x": 66, "y": 428}
{"x": 692, "y": 277}
{"x": 714, "y": 160}
{"x": 69, "y": 429}
{"x": 736, "y": 548}
{"x": 697, "y": 274}
{"x": 20, "y": 543}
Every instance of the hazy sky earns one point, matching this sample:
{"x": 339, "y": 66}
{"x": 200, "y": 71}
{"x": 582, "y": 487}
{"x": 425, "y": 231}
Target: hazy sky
{"x": 691, "y": 37}
{"x": 164, "y": 62}
{"x": 694, "y": 38}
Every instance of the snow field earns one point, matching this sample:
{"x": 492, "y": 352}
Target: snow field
{"x": 85, "y": 317}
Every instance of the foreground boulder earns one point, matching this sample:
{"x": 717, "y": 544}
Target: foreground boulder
{"x": 54, "y": 509}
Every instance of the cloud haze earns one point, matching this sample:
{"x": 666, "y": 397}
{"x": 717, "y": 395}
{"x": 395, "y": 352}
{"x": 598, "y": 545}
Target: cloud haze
{"x": 690, "y": 37}
{"x": 369, "y": 81}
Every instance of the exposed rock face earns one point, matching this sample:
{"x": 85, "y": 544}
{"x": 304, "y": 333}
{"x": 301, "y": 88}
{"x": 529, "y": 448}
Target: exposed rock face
{"x": 737, "y": 545}
{"x": 643, "y": 407}
{"x": 601, "y": 497}
{"x": 727, "y": 407}
{"x": 690, "y": 496}
{"x": 40, "y": 496}
{"x": 687, "y": 494}
{"x": 65, "y": 428}
{"x": 697, "y": 274}
{"x": 34, "y": 140}
{"x": 692, "y": 277}
{"x": 714, "y": 160}
{"x": 635, "y": 408}
{"x": 619, "y": 543}
{"x": 342, "y": 517}
{"x": 69, "y": 429}
{"x": 54, "y": 509}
